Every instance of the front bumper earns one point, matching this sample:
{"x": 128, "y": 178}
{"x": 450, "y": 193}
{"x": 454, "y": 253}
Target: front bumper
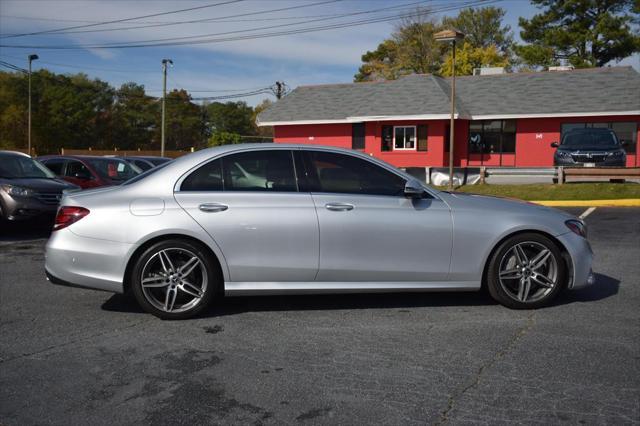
{"x": 86, "y": 262}
{"x": 24, "y": 208}
{"x": 609, "y": 162}
{"x": 581, "y": 256}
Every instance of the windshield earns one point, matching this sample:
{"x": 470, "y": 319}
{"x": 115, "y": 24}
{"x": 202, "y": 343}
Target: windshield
{"x": 145, "y": 174}
{"x": 114, "y": 169}
{"x": 19, "y": 167}
{"x": 579, "y": 139}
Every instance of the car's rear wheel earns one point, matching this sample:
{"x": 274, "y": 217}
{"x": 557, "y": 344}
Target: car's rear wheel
{"x": 526, "y": 271}
{"x": 174, "y": 279}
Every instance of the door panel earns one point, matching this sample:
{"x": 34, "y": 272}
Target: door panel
{"x": 383, "y": 238}
{"x": 263, "y": 236}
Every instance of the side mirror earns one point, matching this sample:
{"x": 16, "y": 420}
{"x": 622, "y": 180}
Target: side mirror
{"x": 554, "y": 144}
{"x": 413, "y": 189}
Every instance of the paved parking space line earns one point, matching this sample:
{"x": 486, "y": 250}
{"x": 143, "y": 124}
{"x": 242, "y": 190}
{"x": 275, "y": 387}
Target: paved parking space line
{"x": 587, "y": 212}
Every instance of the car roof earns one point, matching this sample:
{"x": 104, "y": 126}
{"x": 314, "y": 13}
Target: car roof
{"x": 77, "y": 157}
{"x": 14, "y": 153}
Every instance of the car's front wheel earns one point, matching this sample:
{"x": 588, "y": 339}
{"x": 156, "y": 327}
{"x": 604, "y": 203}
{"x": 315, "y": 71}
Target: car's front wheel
{"x": 174, "y": 279}
{"x": 526, "y": 271}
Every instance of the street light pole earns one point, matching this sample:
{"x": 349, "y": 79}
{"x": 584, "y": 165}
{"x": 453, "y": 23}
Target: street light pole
{"x": 452, "y": 126}
{"x": 452, "y": 36}
{"x": 31, "y": 59}
{"x": 164, "y": 97}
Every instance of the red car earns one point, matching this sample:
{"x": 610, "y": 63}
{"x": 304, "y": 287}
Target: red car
{"x": 89, "y": 171}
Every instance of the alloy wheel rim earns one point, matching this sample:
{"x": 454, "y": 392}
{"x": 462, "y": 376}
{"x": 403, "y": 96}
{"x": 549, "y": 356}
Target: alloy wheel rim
{"x": 174, "y": 280}
{"x": 528, "y": 272}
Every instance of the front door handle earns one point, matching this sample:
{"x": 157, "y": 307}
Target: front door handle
{"x": 339, "y": 207}
{"x": 212, "y": 207}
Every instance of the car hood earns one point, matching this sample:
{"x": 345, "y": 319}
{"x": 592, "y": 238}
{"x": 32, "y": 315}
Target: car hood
{"x": 40, "y": 184}
{"x": 500, "y": 205}
{"x": 590, "y": 148}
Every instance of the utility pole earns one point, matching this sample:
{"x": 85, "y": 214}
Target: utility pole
{"x": 31, "y": 59}
{"x": 451, "y": 36}
{"x": 164, "y": 97}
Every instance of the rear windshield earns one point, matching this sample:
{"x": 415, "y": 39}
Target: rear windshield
{"x": 19, "y": 167}
{"x": 114, "y": 169}
{"x": 575, "y": 139}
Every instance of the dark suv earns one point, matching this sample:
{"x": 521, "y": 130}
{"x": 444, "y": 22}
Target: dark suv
{"x": 27, "y": 188}
{"x": 589, "y": 147}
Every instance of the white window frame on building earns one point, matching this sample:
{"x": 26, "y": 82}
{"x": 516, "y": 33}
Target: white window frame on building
{"x": 404, "y": 136}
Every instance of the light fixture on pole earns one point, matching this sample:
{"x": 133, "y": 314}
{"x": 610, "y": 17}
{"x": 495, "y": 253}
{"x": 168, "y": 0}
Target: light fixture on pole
{"x": 164, "y": 96}
{"x": 452, "y": 36}
{"x": 31, "y": 59}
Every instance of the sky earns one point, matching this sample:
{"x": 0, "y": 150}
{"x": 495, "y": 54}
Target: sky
{"x": 224, "y": 67}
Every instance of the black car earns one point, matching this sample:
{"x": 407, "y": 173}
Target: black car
{"x": 27, "y": 188}
{"x": 589, "y": 147}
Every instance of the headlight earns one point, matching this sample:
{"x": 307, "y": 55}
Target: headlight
{"x": 563, "y": 154}
{"x": 17, "y": 191}
{"x": 616, "y": 154}
{"x": 577, "y": 227}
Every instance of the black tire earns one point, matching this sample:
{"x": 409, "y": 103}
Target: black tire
{"x": 149, "y": 299}
{"x": 504, "y": 292}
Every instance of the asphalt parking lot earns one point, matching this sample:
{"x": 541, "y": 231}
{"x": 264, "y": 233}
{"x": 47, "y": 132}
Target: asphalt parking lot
{"x": 72, "y": 356}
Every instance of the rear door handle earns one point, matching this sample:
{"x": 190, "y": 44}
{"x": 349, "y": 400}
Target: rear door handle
{"x": 339, "y": 207}
{"x": 213, "y": 207}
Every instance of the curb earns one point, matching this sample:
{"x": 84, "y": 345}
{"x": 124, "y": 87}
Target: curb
{"x": 630, "y": 202}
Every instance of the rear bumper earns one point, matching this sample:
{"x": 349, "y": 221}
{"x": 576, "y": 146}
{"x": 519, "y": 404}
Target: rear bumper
{"x": 581, "y": 259}
{"x": 85, "y": 262}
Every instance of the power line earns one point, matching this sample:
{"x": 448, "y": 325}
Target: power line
{"x": 195, "y": 21}
{"x": 342, "y": 15}
{"x": 13, "y": 67}
{"x": 125, "y": 71}
{"x": 256, "y": 36}
{"x": 126, "y": 19}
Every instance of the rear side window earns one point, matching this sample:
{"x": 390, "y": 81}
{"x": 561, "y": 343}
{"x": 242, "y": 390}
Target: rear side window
{"x": 339, "y": 173}
{"x": 255, "y": 171}
{"x": 77, "y": 169}
{"x": 206, "y": 178}
{"x": 143, "y": 165}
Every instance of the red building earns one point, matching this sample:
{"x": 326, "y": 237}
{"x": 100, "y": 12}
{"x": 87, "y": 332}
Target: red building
{"x": 501, "y": 120}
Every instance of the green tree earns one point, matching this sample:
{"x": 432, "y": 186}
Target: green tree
{"x": 221, "y": 137}
{"x": 585, "y": 33}
{"x": 266, "y": 131}
{"x": 134, "y": 117}
{"x": 469, "y": 57}
{"x": 483, "y": 27}
{"x": 232, "y": 117}
{"x": 185, "y": 123}
{"x": 411, "y": 49}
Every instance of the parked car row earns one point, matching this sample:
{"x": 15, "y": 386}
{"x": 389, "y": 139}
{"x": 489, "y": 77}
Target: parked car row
{"x": 31, "y": 188}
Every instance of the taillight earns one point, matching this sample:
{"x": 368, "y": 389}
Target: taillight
{"x": 68, "y": 215}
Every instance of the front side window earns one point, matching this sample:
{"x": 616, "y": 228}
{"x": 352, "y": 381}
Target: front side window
{"x": 245, "y": 171}
{"x": 78, "y": 170}
{"x": 55, "y": 166}
{"x": 404, "y": 138}
{"x": 345, "y": 174}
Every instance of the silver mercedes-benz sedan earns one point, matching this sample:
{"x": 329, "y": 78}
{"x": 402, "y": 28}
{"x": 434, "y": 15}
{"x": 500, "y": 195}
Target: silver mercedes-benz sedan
{"x": 273, "y": 219}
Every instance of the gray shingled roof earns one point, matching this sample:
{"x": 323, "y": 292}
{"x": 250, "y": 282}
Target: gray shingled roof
{"x": 615, "y": 89}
